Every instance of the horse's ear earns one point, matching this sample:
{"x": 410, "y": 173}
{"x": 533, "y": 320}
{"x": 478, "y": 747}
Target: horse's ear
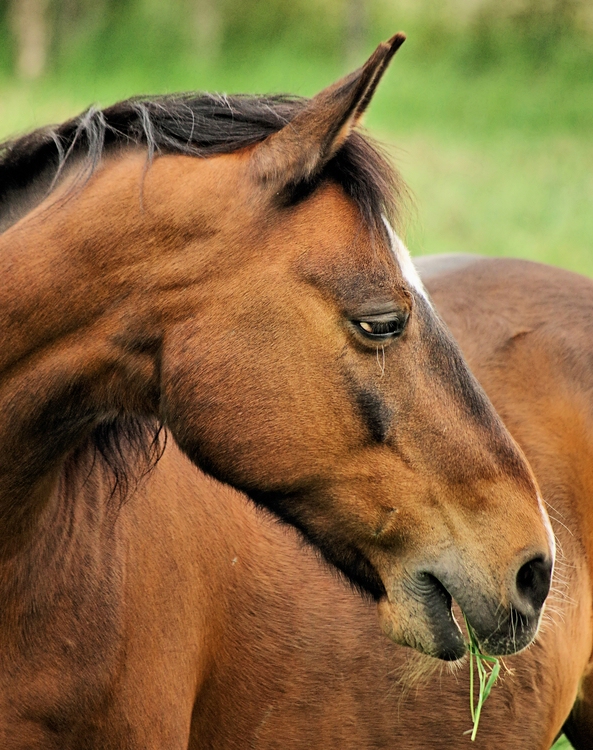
{"x": 310, "y": 139}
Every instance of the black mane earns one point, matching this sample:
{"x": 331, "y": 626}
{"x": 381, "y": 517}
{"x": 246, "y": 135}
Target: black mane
{"x": 199, "y": 125}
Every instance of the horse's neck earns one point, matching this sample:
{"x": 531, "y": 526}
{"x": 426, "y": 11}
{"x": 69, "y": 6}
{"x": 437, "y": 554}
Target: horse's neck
{"x": 62, "y": 626}
{"x": 76, "y": 343}
{"x": 56, "y": 270}
{"x": 73, "y": 559}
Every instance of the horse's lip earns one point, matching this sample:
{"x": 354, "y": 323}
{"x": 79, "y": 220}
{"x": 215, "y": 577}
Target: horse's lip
{"x": 416, "y": 612}
{"x": 449, "y": 642}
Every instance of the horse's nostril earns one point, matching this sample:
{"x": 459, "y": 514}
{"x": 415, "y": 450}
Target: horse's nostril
{"x": 533, "y": 581}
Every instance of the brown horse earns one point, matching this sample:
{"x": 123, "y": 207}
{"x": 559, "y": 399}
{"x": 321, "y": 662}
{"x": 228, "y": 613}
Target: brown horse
{"x": 296, "y": 662}
{"x": 527, "y": 332}
{"x": 242, "y": 289}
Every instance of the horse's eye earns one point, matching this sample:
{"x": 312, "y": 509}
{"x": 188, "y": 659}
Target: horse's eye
{"x": 381, "y": 327}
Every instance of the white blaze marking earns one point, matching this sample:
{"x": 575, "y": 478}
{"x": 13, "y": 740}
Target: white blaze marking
{"x": 403, "y": 259}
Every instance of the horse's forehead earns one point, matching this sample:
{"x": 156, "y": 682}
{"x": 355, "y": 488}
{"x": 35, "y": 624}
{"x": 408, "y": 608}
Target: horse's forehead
{"x": 336, "y": 247}
{"x": 336, "y": 223}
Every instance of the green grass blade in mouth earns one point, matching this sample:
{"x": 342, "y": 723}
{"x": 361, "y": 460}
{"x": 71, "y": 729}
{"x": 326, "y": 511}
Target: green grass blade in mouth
{"x": 487, "y": 669}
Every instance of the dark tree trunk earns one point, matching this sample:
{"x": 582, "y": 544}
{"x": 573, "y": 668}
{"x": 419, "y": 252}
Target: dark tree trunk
{"x": 31, "y": 30}
{"x": 208, "y": 23}
{"x": 356, "y": 13}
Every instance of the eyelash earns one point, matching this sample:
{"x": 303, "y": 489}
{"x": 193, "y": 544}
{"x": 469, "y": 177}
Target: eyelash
{"x": 381, "y": 328}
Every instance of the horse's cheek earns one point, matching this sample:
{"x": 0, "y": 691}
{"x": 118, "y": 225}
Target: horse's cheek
{"x": 211, "y": 383}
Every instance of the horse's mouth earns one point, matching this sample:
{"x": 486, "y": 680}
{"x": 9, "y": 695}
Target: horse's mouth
{"x": 499, "y": 631}
{"x": 449, "y": 643}
{"x": 418, "y": 614}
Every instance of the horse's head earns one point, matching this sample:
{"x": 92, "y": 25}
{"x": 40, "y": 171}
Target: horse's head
{"x": 302, "y": 362}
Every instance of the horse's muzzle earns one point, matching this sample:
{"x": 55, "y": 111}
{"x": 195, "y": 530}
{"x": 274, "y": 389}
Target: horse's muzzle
{"x": 419, "y": 613}
{"x": 502, "y": 627}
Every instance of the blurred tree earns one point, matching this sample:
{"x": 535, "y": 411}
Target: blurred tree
{"x": 70, "y": 16}
{"x": 108, "y": 35}
{"x": 30, "y": 25}
{"x": 207, "y": 17}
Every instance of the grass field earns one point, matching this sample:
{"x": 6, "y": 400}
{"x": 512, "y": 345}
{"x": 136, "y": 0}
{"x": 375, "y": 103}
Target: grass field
{"x": 514, "y": 196}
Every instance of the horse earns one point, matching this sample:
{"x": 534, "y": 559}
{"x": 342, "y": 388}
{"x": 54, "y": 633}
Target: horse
{"x": 298, "y": 662}
{"x": 527, "y": 330}
{"x": 216, "y": 282}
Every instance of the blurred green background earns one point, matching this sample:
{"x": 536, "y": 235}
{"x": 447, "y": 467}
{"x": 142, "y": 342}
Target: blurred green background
{"x": 487, "y": 108}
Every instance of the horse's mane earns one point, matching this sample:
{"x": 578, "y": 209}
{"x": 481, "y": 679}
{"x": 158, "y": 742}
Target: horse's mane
{"x": 199, "y": 125}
